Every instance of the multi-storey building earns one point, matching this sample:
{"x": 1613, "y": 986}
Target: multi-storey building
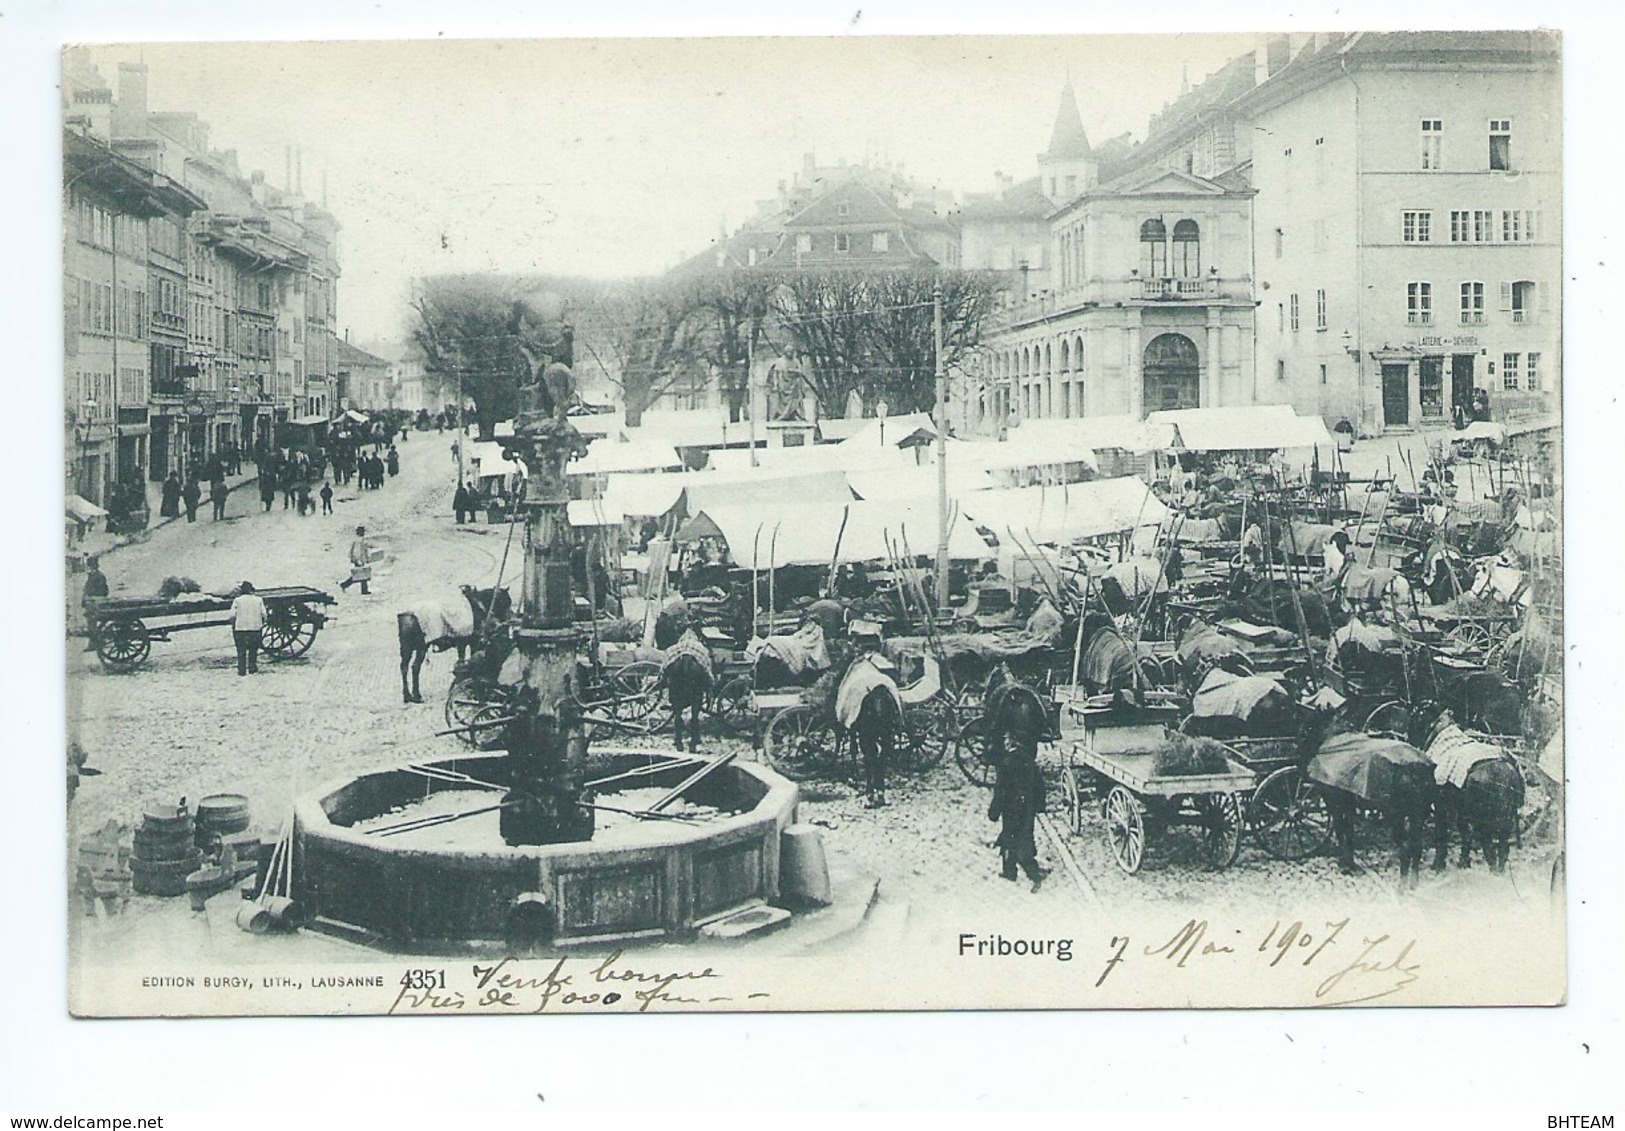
{"x": 232, "y": 287}
{"x": 1404, "y": 236}
{"x": 122, "y": 277}
{"x": 1407, "y": 228}
{"x": 360, "y": 379}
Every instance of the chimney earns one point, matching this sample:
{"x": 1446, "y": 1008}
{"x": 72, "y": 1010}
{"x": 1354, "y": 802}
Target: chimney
{"x": 299, "y": 171}
{"x": 130, "y": 111}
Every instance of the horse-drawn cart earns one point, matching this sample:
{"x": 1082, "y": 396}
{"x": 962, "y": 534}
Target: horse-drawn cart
{"x": 122, "y": 629}
{"x": 1151, "y": 779}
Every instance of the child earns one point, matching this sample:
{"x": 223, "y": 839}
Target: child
{"x": 327, "y": 497}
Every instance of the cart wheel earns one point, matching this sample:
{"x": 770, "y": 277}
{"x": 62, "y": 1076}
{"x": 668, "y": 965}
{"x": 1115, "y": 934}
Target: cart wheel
{"x": 289, "y": 633}
{"x": 1288, "y": 815}
{"x": 973, "y": 752}
{"x": 639, "y": 697}
{"x": 487, "y": 737}
{"x": 122, "y": 645}
{"x": 730, "y": 706}
{"x": 471, "y": 700}
{"x": 1072, "y": 794}
{"x": 1471, "y": 639}
{"x": 799, "y": 744}
{"x": 1389, "y": 720}
{"x": 927, "y": 731}
{"x": 1221, "y": 829}
{"x": 1125, "y": 829}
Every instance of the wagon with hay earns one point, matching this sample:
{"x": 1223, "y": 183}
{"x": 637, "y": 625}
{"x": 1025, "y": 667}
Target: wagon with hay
{"x": 1149, "y": 778}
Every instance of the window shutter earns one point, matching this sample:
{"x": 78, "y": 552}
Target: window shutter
{"x": 1544, "y": 293}
{"x": 1506, "y": 296}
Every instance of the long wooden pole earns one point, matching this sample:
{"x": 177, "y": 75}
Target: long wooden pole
{"x": 942, "y": 453}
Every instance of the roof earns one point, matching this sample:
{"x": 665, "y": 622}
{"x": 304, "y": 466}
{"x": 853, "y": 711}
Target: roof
{"x": 642, "y": 496}
{"x": 491, "y": 460}
{"x": 1066, "y": 513}
{"x": 690, "y": 428}
{"x": 1024, "y": 200}
{"x": 1096, "y": 433}
{"x": 894, "y": 431}
{"x": 1242, "y": 429}
{"x": 309, "y": 421}
{"x": 592, "y": 512}
{"x": 766, "y": 536}
{"x": 1068, "y": 141}
{"x": 346, "y": 354}
{"x": 633, "y": 455}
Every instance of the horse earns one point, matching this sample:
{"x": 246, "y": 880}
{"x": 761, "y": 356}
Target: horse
{"x": 688, "y": 677}
{"x": 1480, "y": 790}
{"x": 1107, "y": 661}
{"x": 441, "y": 625}
{"x": 869, "y": 709}
{"x": 1377, "y": 772}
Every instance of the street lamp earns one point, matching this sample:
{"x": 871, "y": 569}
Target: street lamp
{"x": 880, "y": 411}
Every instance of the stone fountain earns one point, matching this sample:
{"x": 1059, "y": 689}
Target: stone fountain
{"x": 545, "y": 879}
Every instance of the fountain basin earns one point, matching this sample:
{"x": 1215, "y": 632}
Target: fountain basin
{"x": 665, "y": 882}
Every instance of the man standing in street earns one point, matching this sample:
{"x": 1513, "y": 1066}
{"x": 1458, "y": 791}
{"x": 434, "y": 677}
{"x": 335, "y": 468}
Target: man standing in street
{"x": 217, "y": 495}
{"x": 360, "y": 562}
{"x": 247, "y": 626}
{"x": 191, "y": 496}
{"x": 327, "y": 497}
{"x": 462, "y": 501}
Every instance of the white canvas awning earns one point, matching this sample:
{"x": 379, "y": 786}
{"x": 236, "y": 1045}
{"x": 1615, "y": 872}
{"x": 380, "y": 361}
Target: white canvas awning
{"x": 488, "y": 460}
{"x": 643, "y": 496}
{"x": 81, "y": 509}
{"x": 764, "y": 537}
{"x": 635, "y": 455}
{"x": 1067, "y": 513}
{"x": 592, "y": 512}
{"x": 1250, "y": 428}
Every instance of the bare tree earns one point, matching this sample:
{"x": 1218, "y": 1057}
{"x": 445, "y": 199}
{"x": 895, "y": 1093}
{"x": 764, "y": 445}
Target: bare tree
{"x": 899, "y": 343}
{"x": 823, "y": 315}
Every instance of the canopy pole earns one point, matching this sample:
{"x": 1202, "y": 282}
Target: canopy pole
{"x": 942, "y": 452}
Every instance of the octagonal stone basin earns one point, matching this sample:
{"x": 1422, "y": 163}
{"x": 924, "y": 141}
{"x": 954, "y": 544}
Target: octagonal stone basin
{"x": 664, "y": 881}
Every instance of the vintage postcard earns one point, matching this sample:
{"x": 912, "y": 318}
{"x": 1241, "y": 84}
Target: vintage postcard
{"x": 632, "y": 526}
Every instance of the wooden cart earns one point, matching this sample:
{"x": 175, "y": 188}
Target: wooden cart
{"x": 1116, "y": 758}
{"x": 123, "y": 629}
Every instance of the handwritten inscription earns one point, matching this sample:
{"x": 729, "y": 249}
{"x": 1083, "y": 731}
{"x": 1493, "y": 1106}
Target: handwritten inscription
{"x": 572, "y": 984}
{"x": 1357, "y": 968}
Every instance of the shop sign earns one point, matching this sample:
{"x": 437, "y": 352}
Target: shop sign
{"x": 1462, "y": 341}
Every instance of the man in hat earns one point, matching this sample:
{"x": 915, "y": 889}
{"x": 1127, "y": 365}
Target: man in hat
{"x": 360, "y": 562}
{"x": 247, "y": 627}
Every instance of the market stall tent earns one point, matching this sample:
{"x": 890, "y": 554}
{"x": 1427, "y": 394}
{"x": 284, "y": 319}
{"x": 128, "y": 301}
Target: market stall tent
{"x": 1066, "y": 513}
{"x": 769, "y": 536}
{"x": 1249, "y": 428}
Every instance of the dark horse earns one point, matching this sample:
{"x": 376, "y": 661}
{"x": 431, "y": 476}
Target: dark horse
{"x": 487, "y": 605}
{"x": 1484, "y": 807}
{"x": 688, "y": 677}
{"x": 872, "y": 723}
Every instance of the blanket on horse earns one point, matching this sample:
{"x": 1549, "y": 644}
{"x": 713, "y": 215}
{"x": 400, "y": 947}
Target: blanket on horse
{"x": 1368, "y": 583}
{"x": 1227, "y": 695}
{"x": 861, "y": 678}
{"x": 1366, "y": 766}
{"x": 689, "y": 645}
{"x": 1108, "y": 660}
{"x": 801, "y": 651}
{"x": 444, "y": 620}
{"x": 1454, "y": 753}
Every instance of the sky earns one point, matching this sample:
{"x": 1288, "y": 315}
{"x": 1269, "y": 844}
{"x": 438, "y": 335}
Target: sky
{"x": 621, "y": 157}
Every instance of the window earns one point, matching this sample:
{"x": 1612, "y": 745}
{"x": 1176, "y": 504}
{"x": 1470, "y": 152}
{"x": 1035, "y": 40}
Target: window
{"x": 1418, "y": 227}
{"x": 1419, "y": 303}
{"x": 843, "y": 241}
{"x": 1323, "y": 373}
{"x": 1280, "y": 317}
{"x": 1509, "y": 371}
{"x": 1320, "y": 161}
{"x": 1292, "y": 307}
{"x": 1511, "y": 226}
{"x": 1280, "y": 242}
{"x": 1461, "y": 230}
{"x": 803, "y": 243}
{"x": 880, "y": 241}
{"x": 1320, "y": 310}
{"x": 1501, "y": 143}
{"x": 1518, "y": 300}
{"x": 1280, "y": 369}
{"x": 842, "y": 209}
{"x": 1187, "y": 250}
{"x": 1432, "y": 142}
{"x": 1071, "y": 185}
{"x": 1472, "y": 304}
{"x": 1532, "y": 372}
{"x": 1153, "y": 249}
{"x": 1483, "y": 226}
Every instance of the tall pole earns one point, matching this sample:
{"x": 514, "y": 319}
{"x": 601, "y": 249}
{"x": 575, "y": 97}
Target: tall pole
{"x": 750, "y": 390}
{"x": 460, "y": 426}
{"x": 942, "y": 453}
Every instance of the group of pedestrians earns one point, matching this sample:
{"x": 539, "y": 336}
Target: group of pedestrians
{"x": 178, "y": 497}
{"x": 371, "y": 469}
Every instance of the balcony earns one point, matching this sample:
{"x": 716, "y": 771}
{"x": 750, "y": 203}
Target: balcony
{"x": 1178, "y": 290}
